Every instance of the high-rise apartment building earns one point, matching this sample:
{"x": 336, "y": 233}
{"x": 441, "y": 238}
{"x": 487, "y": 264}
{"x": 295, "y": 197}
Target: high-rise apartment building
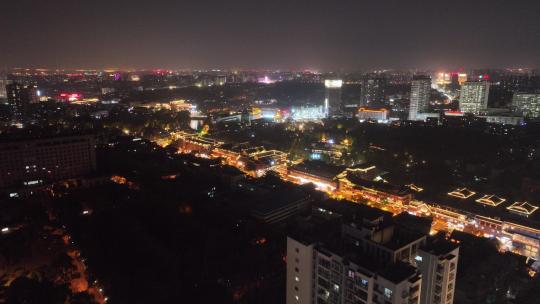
{"x": 362, "y": 256}
{"x": 527, "y": 104}
{"x": 3, "y": 85}
{"x": 332, "y": 97}
{"x": 373, "y": 90}
{"x": 438, "y": 262}
{"x": 420, "y": 93}
{"x": 474, "y": 97}
{"x": 20, "y": 96}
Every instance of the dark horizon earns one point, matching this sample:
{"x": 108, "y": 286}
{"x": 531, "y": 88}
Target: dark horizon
{"x": 317, "y": 35}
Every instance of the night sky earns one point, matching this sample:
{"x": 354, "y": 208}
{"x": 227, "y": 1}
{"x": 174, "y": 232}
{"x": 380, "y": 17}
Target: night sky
{"x": 289, "y": 34}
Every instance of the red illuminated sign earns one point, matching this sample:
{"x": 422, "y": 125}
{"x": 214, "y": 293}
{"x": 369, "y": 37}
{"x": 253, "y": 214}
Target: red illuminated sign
{"x": 70, "y": 96}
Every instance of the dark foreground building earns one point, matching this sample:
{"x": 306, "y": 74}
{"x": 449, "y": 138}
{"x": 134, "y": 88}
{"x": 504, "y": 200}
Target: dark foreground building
{"x": 31, "y": 162}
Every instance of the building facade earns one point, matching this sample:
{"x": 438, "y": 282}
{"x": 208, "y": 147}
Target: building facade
{"x": 420, "y": 93}
{"x": 35, "y": 162}
{"x": 474, "y": 97}
{"x": 332, "y": 97}
{"x": 20, "y": 96}
{"x": 438, "y": 264}
{"x": 370, "y": 261}
{"x": 373, "y": 90}
{"x": 527, "y": 103}
{"x": 372, "y": 114}
{"x": 3, "y": 85}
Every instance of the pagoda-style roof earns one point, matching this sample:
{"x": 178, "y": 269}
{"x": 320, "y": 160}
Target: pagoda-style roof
{"x": 415, "y": 188}
{"x": 491, "y": 200}
{"x": 522, "y": 208}
{"x": 462, "y": 193}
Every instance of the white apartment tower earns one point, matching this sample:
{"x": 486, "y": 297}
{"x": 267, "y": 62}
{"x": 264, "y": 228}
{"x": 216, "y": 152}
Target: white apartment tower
{"x": 420, "y": 93}
{"x": 368, "y": 262}
{"x": 474, "y": 97}
{"x": 438, "y": 264}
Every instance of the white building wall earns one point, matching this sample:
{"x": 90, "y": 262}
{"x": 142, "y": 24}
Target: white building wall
{"x": 474, "y": 97}
{"x": 439, "y": 276}
{"x": 420, "y": 93}
{"x": 299, "y": 272}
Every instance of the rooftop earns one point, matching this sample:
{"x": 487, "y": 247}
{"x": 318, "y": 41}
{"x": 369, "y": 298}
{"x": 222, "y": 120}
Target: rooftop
{"x": 353, "y": 211}
{"x": 22, "y": 137}
{"x": 523, "y": 208}
{"x": 368, "y": 173}
{"x": 470, "y": 206}
{"x": 439, "y": 246}
{"x": 274, "y": 201}
{"x": 462, "y": 193}
{"x": 398, "y": 272}
{"x": 378, "y": 185}
{"x": 491, "y": 200}
{"x": 319, "y": 168}
{"x": 394, "y": 272}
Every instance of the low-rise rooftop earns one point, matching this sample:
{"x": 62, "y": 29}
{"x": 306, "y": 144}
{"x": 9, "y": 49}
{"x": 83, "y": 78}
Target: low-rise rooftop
{"x": 318, "y": 168}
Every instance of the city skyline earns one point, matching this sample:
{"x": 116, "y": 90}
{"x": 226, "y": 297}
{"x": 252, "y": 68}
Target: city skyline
{"x": 270, "y": 35}
{"x": 291, "y": 152}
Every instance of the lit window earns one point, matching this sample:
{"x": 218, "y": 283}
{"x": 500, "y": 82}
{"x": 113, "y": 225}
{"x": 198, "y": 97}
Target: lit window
{"x": 387, "y": 293}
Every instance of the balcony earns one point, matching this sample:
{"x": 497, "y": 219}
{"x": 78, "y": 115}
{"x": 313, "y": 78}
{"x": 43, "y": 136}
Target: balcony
{"x": 414, "y": 289}
{"x": 404, "y": 294}
{"x": 413, "y": 300}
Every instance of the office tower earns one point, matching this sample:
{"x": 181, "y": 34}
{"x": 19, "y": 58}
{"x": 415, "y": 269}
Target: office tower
{"x": 220, "y": 80}
{"x": 461, "y": 78}
{"x": 455, "y": 83}
{"x": 14, "y": 93}
{"x": 527, "y": 103}
{"x": 27, "y": 162}
{"x": 20, "y": 96}
{"x": 354, "y": 258}
{"x": 443, "y": 79}
{"x": 534, "y": 82}
{"x": 3, "y": 85}
{"x": 15, "y": 99}
{"x": 474, "y": 97}
{"x": 332, "y": 97}
{"x": 31, "y": 94}
{"x": 373, "y": 90}
{"x": 437, "y": 261}
{"x": 515, "y": 82}
{"x": 420, "y": 93}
